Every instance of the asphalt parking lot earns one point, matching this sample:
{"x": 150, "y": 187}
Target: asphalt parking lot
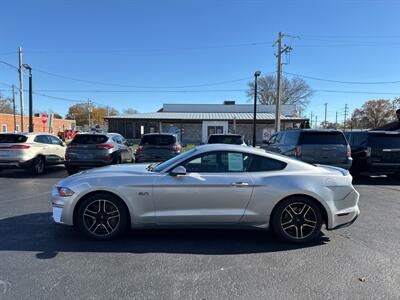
{"x": 41, "y": 260}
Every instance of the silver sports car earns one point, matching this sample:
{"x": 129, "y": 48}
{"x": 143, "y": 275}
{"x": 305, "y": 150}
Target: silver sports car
{"x": 211, "y": 185}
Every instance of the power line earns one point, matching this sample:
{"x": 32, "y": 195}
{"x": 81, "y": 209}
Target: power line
{"x": 341, "y": 81}
{"x": 140, "y": 86}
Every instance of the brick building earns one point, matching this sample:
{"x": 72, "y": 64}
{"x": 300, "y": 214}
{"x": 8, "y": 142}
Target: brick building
{"x": 195, "y": 122}
{"x": 7, "y": 124}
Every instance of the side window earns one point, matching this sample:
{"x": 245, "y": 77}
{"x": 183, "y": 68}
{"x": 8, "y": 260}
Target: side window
{"x": 43, "y": 139}
{"x": 218, "y": 162}
{"x": 55, "y": 141}
{"x": 272, "y": 140}
{"x": 204, "y": 163}
{"x": 279, "y": 138}
{"x": 360, "y": 139}
{"x": 263, "y": 164}
{"x": 291, "y": 138}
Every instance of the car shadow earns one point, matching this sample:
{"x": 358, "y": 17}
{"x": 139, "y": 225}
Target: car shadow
{"x": 50, "y": 172}
{"x": 376, "y": 180}
{"x": 37, "y": 232}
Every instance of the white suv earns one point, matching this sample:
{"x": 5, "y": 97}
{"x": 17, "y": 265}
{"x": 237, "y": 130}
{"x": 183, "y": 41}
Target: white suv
{"x": 32, "y": 151}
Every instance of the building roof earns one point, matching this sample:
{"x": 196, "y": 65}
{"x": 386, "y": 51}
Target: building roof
{"x": 200, "y": 116}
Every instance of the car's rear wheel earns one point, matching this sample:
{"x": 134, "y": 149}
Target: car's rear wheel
{"x": 297, "y": 220}
{"x": 37, "y": 166}
{"x": 72, "y": 170}
{"x": 102, "y": 217}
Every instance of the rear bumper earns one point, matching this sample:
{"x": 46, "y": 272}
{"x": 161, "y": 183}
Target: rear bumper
{"x": 344, "y": 211}
{"x": 365, "y": 165}
{"x": 10, "y": 164}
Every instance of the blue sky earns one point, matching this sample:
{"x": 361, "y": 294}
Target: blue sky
{"x": 191, "y": 42}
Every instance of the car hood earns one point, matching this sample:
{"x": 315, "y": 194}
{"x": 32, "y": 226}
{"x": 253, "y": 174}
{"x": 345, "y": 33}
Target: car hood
{"x": 100, "y": 174}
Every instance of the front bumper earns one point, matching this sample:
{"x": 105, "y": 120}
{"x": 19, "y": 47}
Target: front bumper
{"x": 63, "y": 207}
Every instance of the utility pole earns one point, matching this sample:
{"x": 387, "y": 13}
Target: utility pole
{"x": 311, "y": 119}
{"x": 89, "y": 111}
{"x": 13, "y": 100}
{"x": 345, "y": 116}
{"x": 316, "y": 121}
{"x": 326, "y": 108}
{"x": 21, "y": 88}
{"x": 336, "y": 120}
{"x": 278, "y": 80}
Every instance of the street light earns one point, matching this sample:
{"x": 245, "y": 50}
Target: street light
{"x": 28, "y": 67}
{"x": 256, "y": 74}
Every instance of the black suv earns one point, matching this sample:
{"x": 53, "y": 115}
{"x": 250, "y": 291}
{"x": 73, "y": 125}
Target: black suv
{"x": 375, "y": 151}
{"x": 328, "y": 147}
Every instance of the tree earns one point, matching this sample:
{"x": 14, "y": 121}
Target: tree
{"x": 80, "y": 113}
{"x": 130, "y": 111}
{"x": 293, "y": 91}
{"x": 6, "y": 106}
{"x": 330, "y": 125}
{"x": 373, "y": 113}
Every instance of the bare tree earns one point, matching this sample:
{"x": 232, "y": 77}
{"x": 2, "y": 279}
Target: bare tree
{"x": 6, "y": 106}
{"x": 130, "y": 111}
{"x": 373, "y": 113}
{"x": 293, "y": 91}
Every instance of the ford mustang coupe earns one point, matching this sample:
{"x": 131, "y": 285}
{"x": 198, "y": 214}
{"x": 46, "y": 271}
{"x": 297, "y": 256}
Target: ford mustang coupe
{"x": 214, "y": 185}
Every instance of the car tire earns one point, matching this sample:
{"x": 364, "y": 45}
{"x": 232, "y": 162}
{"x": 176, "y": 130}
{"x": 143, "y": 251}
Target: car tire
{"x": 72, "y": 170}
{"x": 102, "y": 217}
{"x": 297, "y": 220}
{"x": 37, "y": 165}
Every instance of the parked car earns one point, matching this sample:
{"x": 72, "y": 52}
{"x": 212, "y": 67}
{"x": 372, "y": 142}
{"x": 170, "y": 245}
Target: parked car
{"x": 234, "y": 139}
{"x": 210, "y": 185}
{"x": 94, "y": 150}
{"x": 316, "y": 146}
{"x": 156, "y": 147}
{"x": 31, "y": 151}
{"x": 375, "y": 151}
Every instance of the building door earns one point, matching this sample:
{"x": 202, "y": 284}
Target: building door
{"x": 212, "y": 127}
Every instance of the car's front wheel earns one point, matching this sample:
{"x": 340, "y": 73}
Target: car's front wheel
{"x": 297, "y": 220}
{"x": 102, "y": 216}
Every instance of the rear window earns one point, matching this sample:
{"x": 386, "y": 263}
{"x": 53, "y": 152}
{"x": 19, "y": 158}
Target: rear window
{"x": 159, "y": 139}
{"x": 225, "y": 139}
{"x": 12, "y": 138}
{"x": 391, "y": 141}
{"x": 89, "y": 139}
{"x": 332, "y": 138}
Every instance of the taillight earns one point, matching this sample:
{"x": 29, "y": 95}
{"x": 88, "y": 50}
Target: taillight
{"x": 139, "y": 149}
{"x": 297, "y": 151}
{"x": 177, "y": 148}
{"x": 104, "y": 146}
{"x": 20, "y": 147}
{"x": 348, "y": 151}
{"x": 368, "y": 151}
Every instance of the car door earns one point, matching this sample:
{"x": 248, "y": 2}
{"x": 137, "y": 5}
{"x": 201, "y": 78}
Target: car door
{"x": 57, "y": 149}
{"x": 215, "y": 189}
{"x": 42, "y": 146}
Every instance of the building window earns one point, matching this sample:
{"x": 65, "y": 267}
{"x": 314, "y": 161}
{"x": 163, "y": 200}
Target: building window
{"x": 17, "y": 128}
{"x": 4, "y": 128}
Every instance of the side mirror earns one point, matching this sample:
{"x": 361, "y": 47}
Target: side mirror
{"x": 179, "y": 170}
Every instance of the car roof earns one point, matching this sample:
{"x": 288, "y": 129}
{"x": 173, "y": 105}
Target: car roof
{"x": 312, "y": 130}
{"x": 225, "y": 134}
{"x": 159, "y": 133}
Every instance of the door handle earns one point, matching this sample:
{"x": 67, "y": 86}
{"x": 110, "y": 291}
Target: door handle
{"x": 239, "y": 184}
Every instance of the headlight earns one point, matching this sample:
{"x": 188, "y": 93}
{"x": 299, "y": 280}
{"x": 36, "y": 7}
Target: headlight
{"x": 65, "y": 192}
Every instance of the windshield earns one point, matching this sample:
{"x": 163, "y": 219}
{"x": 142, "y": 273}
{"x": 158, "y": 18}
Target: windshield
{"x": 89, "y": 139}
{"x": 390, "y": 141}
{"x": 332, "y": 138}
{"x": 12, "y": 138}
{"x": 225, "y": 139}
{"x": 172, "y": 161}
{"x": 159, "y": 139}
